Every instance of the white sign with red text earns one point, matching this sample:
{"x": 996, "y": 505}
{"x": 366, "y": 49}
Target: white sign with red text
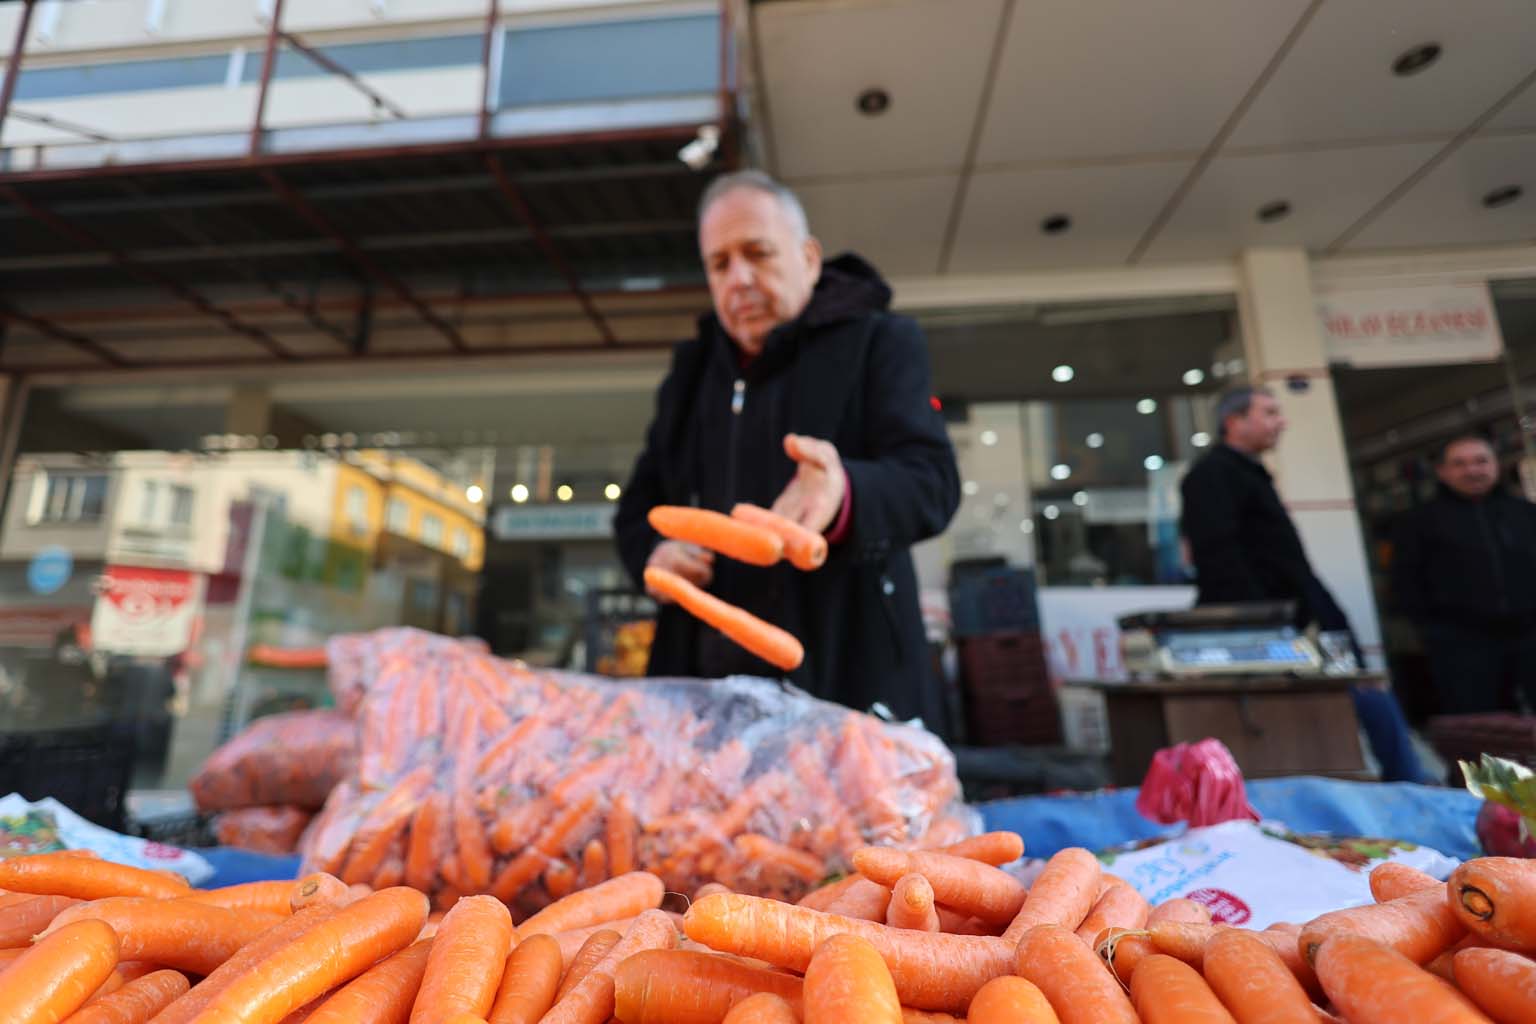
{"x": 1081, "y": 625}
{"x": 1422, "y": 325}
{"x": 145, "y": 612}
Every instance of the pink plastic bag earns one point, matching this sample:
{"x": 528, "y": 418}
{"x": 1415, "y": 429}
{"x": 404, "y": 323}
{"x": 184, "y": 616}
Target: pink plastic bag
{"x": 1198, "y": 783}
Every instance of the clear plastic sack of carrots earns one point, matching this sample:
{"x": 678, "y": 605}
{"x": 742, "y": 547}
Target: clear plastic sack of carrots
{"x": 262, "y": 829}
{"x": 296, "y": 757}
{"x": 353, "y": 660}
{"x": 479, "y": 775}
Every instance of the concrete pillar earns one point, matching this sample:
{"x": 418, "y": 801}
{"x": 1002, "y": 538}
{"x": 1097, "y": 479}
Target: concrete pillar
{"x": 1284, "y": 348}
{"x": 249, "y": 410}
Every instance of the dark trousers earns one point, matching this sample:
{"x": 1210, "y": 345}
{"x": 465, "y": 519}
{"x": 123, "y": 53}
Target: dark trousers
{"x": 1480, "y": 669}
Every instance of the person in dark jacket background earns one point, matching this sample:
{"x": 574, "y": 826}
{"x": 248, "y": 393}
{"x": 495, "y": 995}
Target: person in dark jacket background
{"x": 803, "y": 393}
{"x": 1464, "y": 570}
{"x": 1245, "y": 548}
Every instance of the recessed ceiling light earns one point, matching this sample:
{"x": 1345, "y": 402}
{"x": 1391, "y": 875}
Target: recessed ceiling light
{"x": 989, "y": 438}
{"x": 474, "y": 494}
{"x": 612, "y": 492}
{"x": 1027, "y": 526}
{"x": 1194, "y": 377}
{"x": 519, "y": 493}
{"x": 1503, "y": 196}
{"x": 1095, "y": 440}
{"x": 1060, "y": 471}
{"x": 873, "y": 102}
{"x": 1271, "y": 212}
{"x": 1147, "y": 406}
{"x": 1050, "y": 511}
{"x": 1056, "y": 223}
{"x": 1200, "y": 439}
{"x": 970, "y": 487}
{"x": 1063, "y": 373}
{"x": 564, "y": 492}
{"x": 1153, "y": 462}
{"x": 1080, "y": 499}
{"x": 1415, "y": 60}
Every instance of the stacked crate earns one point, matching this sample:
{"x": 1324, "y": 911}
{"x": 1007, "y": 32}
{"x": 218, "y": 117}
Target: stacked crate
{"x": 1004, "y": 680}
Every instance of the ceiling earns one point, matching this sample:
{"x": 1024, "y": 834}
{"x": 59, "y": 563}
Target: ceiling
{"x": 1159, "y": 127}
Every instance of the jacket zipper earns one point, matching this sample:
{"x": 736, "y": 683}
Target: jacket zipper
{"x": 1493, "y": 555}
{"x": 738, "y": 402}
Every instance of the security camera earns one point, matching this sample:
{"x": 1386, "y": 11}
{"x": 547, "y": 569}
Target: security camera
{"x": 697, "y": 153}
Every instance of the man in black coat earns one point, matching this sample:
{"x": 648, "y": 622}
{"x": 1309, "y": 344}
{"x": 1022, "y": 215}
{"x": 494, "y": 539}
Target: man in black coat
{"x": 1245, "y": 548}
{"x": 1464, "y": 570}
{"x": 802, "y": 393}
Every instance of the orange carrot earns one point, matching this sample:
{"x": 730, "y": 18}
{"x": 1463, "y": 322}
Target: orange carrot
{"x": 762, "y": 850}
{"x": 1188, "y": 942}
{"x": 1369, "y": 983}
{"x": 553, "y": 839}
{"x": 1119, "y": 907}
{"x": 685, "y": 987}
{"x": 559, "y": 879}
{"x": 319, "y": 889}
{"x": 621, "y": 897}
{"x": 1501, "y": 983}
{"x": 1011, "y": 1000}
{"x": 995, "y": 848}
{"x": 85, "y": 878}
{"x": 21, "y": 920}
{"x": 268, "y": 897}
{"x": 592, "y": 1000}
{"x": 188, "y": 936}
{"x": 597, "y": 946}
{"x": 331, "y": 953}
{"x": 968, "y": 886}
{"x": 1253, "y": 982}
{"x": 594, "y": 864}
{"x": 805, "y": 549}
{"x": 1169, "y": 991}
{"x": 1419, "y": 926}
{"x": 54, "y": 978}
{"x": 912, "y": 905}
{"x": 428, "y": 842}
{"x": 932, "y": 971}
{"x": 821, "y": 898}
{"x": 1063, "y": 893}
{"x": 1074, "y": 982}
{"x": 136, "y": 1002}
{"x": 743, "y": 541}
{"x": 709, "y": 889}
{"x": 1495, "y": 897}
{"x": 864, "y": 900}
{"x": 763, "y": 639}
{"x": 1390, "y": 880}
{"x": 383, "y": 994}
{"x": 1180, "y": 909}
{"x": 847, "y": 982}
{"x": 1122, "y": 949}
{"x": 619, "y": 836}
{"x": 468, "y": 955}
{"x": 529, "y": 982}
{"x": 762, "y": 1008}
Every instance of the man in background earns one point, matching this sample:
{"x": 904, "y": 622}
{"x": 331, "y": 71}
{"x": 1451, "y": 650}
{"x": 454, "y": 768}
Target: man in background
{"x": 1464, "y": 570}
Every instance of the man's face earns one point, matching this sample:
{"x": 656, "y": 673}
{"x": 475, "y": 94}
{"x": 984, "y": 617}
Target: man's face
{"x": 760, "y": 274}
{"x": 1469, "y": 468}
{"x": 1260, "y": 428}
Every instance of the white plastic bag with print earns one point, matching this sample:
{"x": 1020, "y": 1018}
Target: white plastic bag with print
{"x": 41, "y": 826}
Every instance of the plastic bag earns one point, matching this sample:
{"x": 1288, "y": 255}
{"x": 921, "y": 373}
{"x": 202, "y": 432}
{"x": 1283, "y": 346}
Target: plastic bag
{"x": 42, "y": 826}
{"x": 481, "y": 775}
{"x": 1198, "y": 783}
{"x": 353, "y": 659}
{"x": 296, "y": 758}
{"x": 262, "y": 829}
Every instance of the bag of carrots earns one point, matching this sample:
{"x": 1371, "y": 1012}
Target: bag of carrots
{"x": 478, "y": 775}
{"x": 262, "y": 829}
{"x": 353, "y": 659}
{"x": 293, "y": 758}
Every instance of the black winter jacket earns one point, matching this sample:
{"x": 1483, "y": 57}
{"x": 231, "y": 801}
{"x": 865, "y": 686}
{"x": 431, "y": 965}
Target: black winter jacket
{"x": 847, "y": 371}
{"x": 1467, "y": 562}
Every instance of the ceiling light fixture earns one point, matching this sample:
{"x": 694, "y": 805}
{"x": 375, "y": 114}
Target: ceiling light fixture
{"x": 1080, "y": 499}
{"x": 873, "y": 102}
{"x": 1095, "y": 440}
{"x": 1063, "y": 373}
{"x": 1060, "y": 471}
{"x": 1147, "y": 406}
{"x": 1503, "y": 196}
{"x": 1200, "y": 439}
{"x": 564, "y": 492}
{"x": 612, "y": 492}
{"x": 989, "y": 438}
{"x": 1050, "y": 512}
{"x": 698, "y": 153}
{"x": 1411, "y": 62}
{"x": 474, "y": 494}
{"x": 1056, "y": 224}
{"x": 970, "y": 488}
{"x": 1271, "y": 212}
{"x": 1153, "y": 463}
{"x": 519, "y": 493}
{"x": 1194, "y": 377}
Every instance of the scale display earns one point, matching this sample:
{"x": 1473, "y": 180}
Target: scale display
{"x": 1233, "y": 650}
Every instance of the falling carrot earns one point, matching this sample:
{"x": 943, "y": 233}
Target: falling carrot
{"x": 189, "y": 936}
{"x": 1370, "y": 983}
{"x": 621, "y": 897}
{"x": 805, "y": 549}
{"x": 85, "y": 878}
{"x": 1420, "y": 926}
{"x": 733, "y": 538}
{"x": 968, "y": 886}
{"x": 762, "y": 1008}
{"x": 1391, "y": 880}
{"x": 1169, "y": 991}
{"x": 1011, "y": 1000}
{"x": 912, "y": 905}
{"x": 763, "y": 639}
{"x": 1501, "y": 983}
{"x": 847, "y": 982}
{"x": 267, "y": 897}
{"x": 529, "y": 982}
{"x": 1077, "y": 986}
{"x": 1063, "y": 894}
{"x": 592, "y": 1000}
{"x": 1253, "y": 982}
{"x": 383, "y": 994}
{"x": 1495, "y": 897}
{"x": 597, "y": 946}
{"x": 136, "y": 1002}
{"x": 54, "y": 978}
{"x": 1120, "y": 906}
{"x": 468, "y": 954}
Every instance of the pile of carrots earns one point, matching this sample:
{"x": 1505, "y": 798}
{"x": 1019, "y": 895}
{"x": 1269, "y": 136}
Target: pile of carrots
{"x": 913, "y": 936}
{"x": 477, "y": 775}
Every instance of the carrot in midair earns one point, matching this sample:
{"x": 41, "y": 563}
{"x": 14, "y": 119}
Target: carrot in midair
{"x": 805, "y": 549}
{"x": 591, "y": 953}
{"x": 592, "y": 1000}
{"x": 686, "y": 987}
{"x": 468, "y": 955}
{"x": 1391, "y": 880}
{"x": 762, "y": 1008}
{"x": 1501, "y": 983}
{"x": 1063, "y": 894}
{"x": 1078, "y": 987}
{"x": 1495, "y": 897}
{"x": 54, "y": 978}
{"x": 1169, "y": 991}
{"x": 331, "y": 953}
{"x": 189, "y": 936}
{"x": 1120, "y": 906}
{"x": 968, "y": 886}
{"x": 269, "y": 897}
{"x": 1252, "y": 981}
{"x": 383, "y": 994}
{"x": 932, "y": 971}
{"x": 733, "y": 538}
{"x": 85, "y": 878}
{"x": 136, "y": 1002}
{"x": 847, "y": 982}
{"x": 621, "y": 897}
{"x": 912, "y": 905}
{"x": 1369, "y": 983}
{"x": 529, "y": 982}
{"x": 1420, "y": 926}
{"x": 774, "y": 645}
{"x": 1011, "y": 1000}
{"x": 29, "y": 915}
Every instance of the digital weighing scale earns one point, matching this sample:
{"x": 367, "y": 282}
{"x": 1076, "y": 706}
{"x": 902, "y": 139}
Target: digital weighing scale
{"x": 1257, "y": 638}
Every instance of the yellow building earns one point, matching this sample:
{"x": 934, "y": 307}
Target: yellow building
{"x": 379, "y": 492}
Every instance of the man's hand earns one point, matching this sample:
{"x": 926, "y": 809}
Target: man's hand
{"x": 815, "y": 496}
{"x": 694, "y": 564}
